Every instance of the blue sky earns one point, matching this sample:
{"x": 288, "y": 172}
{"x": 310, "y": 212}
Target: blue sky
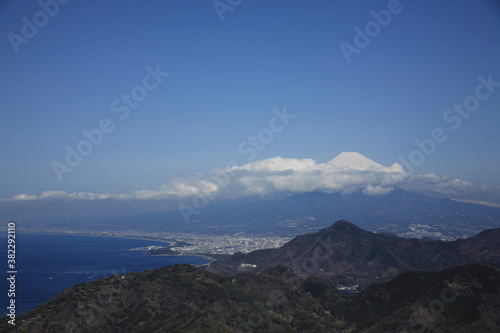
{"x": 225, "y": 79}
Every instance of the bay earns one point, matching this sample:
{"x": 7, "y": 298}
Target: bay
{"x": 48, "y": 264}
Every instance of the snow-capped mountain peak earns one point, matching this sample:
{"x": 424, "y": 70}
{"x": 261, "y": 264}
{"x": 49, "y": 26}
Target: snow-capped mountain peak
{"x": 356, "y": 161}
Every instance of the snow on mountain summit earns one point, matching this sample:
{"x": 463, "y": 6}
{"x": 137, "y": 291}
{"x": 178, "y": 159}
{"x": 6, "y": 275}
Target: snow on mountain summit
{"x": 356, "y": 161}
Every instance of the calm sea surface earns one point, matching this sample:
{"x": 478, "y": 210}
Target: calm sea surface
{"x": 48, "y": 264}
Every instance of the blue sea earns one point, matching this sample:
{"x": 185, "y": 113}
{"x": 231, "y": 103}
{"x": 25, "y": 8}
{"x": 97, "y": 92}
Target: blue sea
{"x": 48, "y": 264}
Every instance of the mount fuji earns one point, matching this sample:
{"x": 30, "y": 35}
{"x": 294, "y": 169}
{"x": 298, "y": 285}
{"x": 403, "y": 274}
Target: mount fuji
{"x": 359, "y": 162}
{"x": 356, "y": 161}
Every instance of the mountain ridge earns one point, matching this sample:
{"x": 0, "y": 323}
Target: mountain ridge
{"x": 349, "y": 255}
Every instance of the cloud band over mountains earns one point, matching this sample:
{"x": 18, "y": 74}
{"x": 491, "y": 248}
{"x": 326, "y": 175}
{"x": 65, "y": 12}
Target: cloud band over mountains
{"x": 347, "y": 173}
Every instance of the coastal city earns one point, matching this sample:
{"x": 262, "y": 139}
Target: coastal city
{"x": 195, "y": 244}
{"x": 223, "y": 244}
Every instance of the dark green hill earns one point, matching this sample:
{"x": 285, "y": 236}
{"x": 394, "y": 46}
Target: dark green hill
{"x": 185, "y": 298}
{"x": 459, "y": 299}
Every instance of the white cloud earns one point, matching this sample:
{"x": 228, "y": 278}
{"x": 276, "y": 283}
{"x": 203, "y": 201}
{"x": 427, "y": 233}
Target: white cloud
{"x": 76, "y": 195}
{"x": 347, "y": 173}
{"x": 174, "y": 189}
{"x": 288, "y": 175}
{"x": 458, "y": 187}
{"x": 377, "y": 190}
{"x": 24, "y": 197}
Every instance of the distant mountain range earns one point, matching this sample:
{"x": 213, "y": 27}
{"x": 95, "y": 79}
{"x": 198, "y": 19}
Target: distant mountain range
{"x": 400, "y": 212}
{"x": 348, "y": 255}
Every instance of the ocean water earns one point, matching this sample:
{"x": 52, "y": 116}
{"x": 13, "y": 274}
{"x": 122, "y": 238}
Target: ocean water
{"x": 48, "y": 264}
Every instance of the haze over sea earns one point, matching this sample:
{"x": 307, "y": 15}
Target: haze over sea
{"x": 44, "y": 270}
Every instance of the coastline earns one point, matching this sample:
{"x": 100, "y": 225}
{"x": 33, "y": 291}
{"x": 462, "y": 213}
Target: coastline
{"x": 61, "y": 233}
{"x": 185, "y": 255}
{"x": 124, "y": 237}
